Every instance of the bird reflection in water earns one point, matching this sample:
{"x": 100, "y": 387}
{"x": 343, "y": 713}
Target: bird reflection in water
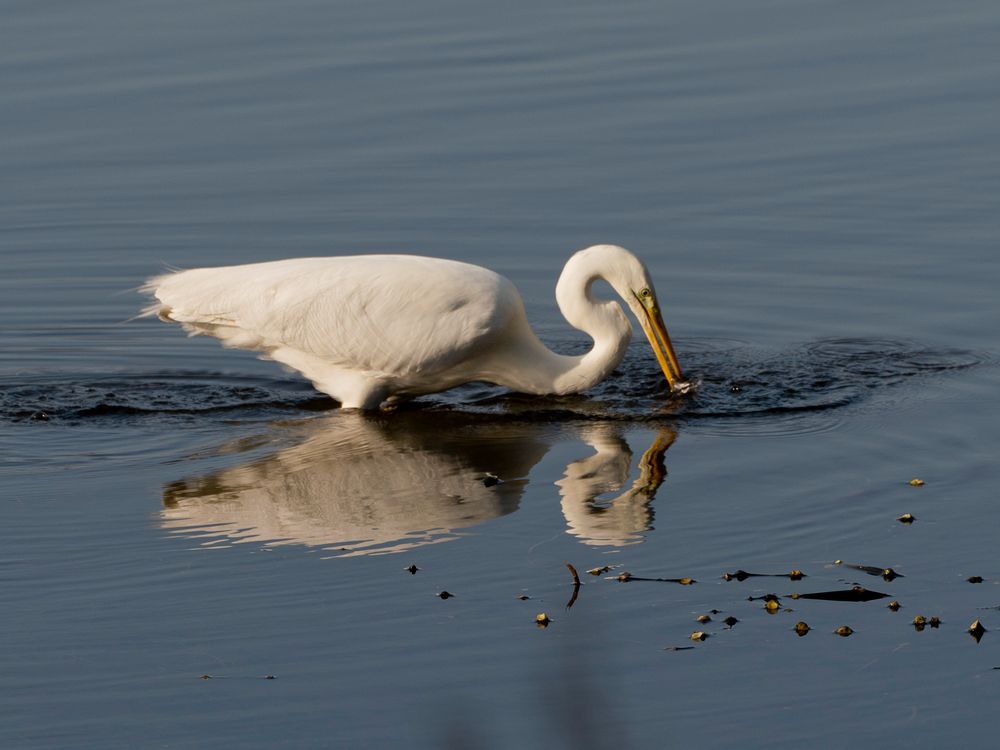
{"x": 356, "y": 484}
{"x": 622, "y": 519}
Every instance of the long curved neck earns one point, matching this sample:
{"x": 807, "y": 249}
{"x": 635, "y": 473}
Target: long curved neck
{"x": 540, "y": 370}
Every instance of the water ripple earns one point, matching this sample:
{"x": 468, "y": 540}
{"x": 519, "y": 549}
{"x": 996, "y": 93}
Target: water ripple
{"x": 736, "y": 388}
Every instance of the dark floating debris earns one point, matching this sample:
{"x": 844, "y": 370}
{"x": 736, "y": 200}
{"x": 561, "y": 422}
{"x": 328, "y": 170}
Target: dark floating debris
{"x": 934, "y": 622}
{"x": 445, "y": 594}
{"x": 491, "y": 480}
{"x": 742, "y": 575}
{"x": 542, "y": 620}
{"x": 765, "y": 598}
{"x": 730, "y": 621}
{"x": 801, "y": 628}
{"x": 844, "y": 630}
{"x": 917, "y": 482}
{"x": 699, "y": 635}
{"x": 626, "y": 577}
{"x": 919, "y": 622}
{"x": 906, "y": 518}
{"x": 523, "y": 597}
{"x": 39, "y": 416}
{"x": 894, "y": 605}
{"x": 887, "y": 574}
{"x": 976, "y": 629}
{"x": 205, "y": 677}
{"x": 975, "y": 579}
{"x": 412, "y": 569}
{"x": 853, "y": 594}
{"x": 689, "y": 648}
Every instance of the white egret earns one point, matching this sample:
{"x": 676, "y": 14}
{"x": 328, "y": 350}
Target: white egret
{"x": 369, "y": 329}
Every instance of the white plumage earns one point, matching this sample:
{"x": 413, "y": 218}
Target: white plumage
{"x": 368, "y": 329}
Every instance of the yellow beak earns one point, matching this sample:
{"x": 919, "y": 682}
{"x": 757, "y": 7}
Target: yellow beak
{"x": 659, "y": 339}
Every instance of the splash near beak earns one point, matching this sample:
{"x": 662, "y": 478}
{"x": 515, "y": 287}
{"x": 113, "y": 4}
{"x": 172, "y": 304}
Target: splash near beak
{"x": 659, "y": 339}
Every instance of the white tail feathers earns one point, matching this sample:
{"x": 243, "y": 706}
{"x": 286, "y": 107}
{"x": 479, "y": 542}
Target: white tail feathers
{"x": 197, "y": 300}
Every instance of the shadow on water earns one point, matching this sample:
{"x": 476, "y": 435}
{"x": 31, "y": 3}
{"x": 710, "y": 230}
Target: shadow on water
{"x": 356, "y": 484}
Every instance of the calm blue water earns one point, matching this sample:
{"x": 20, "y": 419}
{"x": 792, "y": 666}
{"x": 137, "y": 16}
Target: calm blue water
{"x": 814, "y": 189}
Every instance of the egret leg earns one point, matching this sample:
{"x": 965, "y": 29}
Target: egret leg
{"x": 352, "y": 388}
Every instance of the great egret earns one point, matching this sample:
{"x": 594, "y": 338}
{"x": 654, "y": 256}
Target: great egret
{"x": 367, "y": 329}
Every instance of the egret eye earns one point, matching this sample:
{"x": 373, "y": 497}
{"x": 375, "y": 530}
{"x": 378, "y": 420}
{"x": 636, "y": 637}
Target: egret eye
{"x": 645, "y": 293}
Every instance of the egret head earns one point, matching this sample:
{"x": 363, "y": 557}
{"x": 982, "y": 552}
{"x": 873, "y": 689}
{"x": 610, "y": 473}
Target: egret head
{"x": 628, "y": 276}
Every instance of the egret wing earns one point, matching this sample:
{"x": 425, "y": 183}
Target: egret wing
{"x": 386, "y": 313}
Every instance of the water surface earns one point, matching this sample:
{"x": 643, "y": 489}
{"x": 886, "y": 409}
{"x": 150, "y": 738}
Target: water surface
{"x": 813, "y": 187}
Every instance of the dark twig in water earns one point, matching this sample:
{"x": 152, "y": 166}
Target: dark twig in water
{"x": 576, "y": 577}
{"x": 576, "y": 586}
